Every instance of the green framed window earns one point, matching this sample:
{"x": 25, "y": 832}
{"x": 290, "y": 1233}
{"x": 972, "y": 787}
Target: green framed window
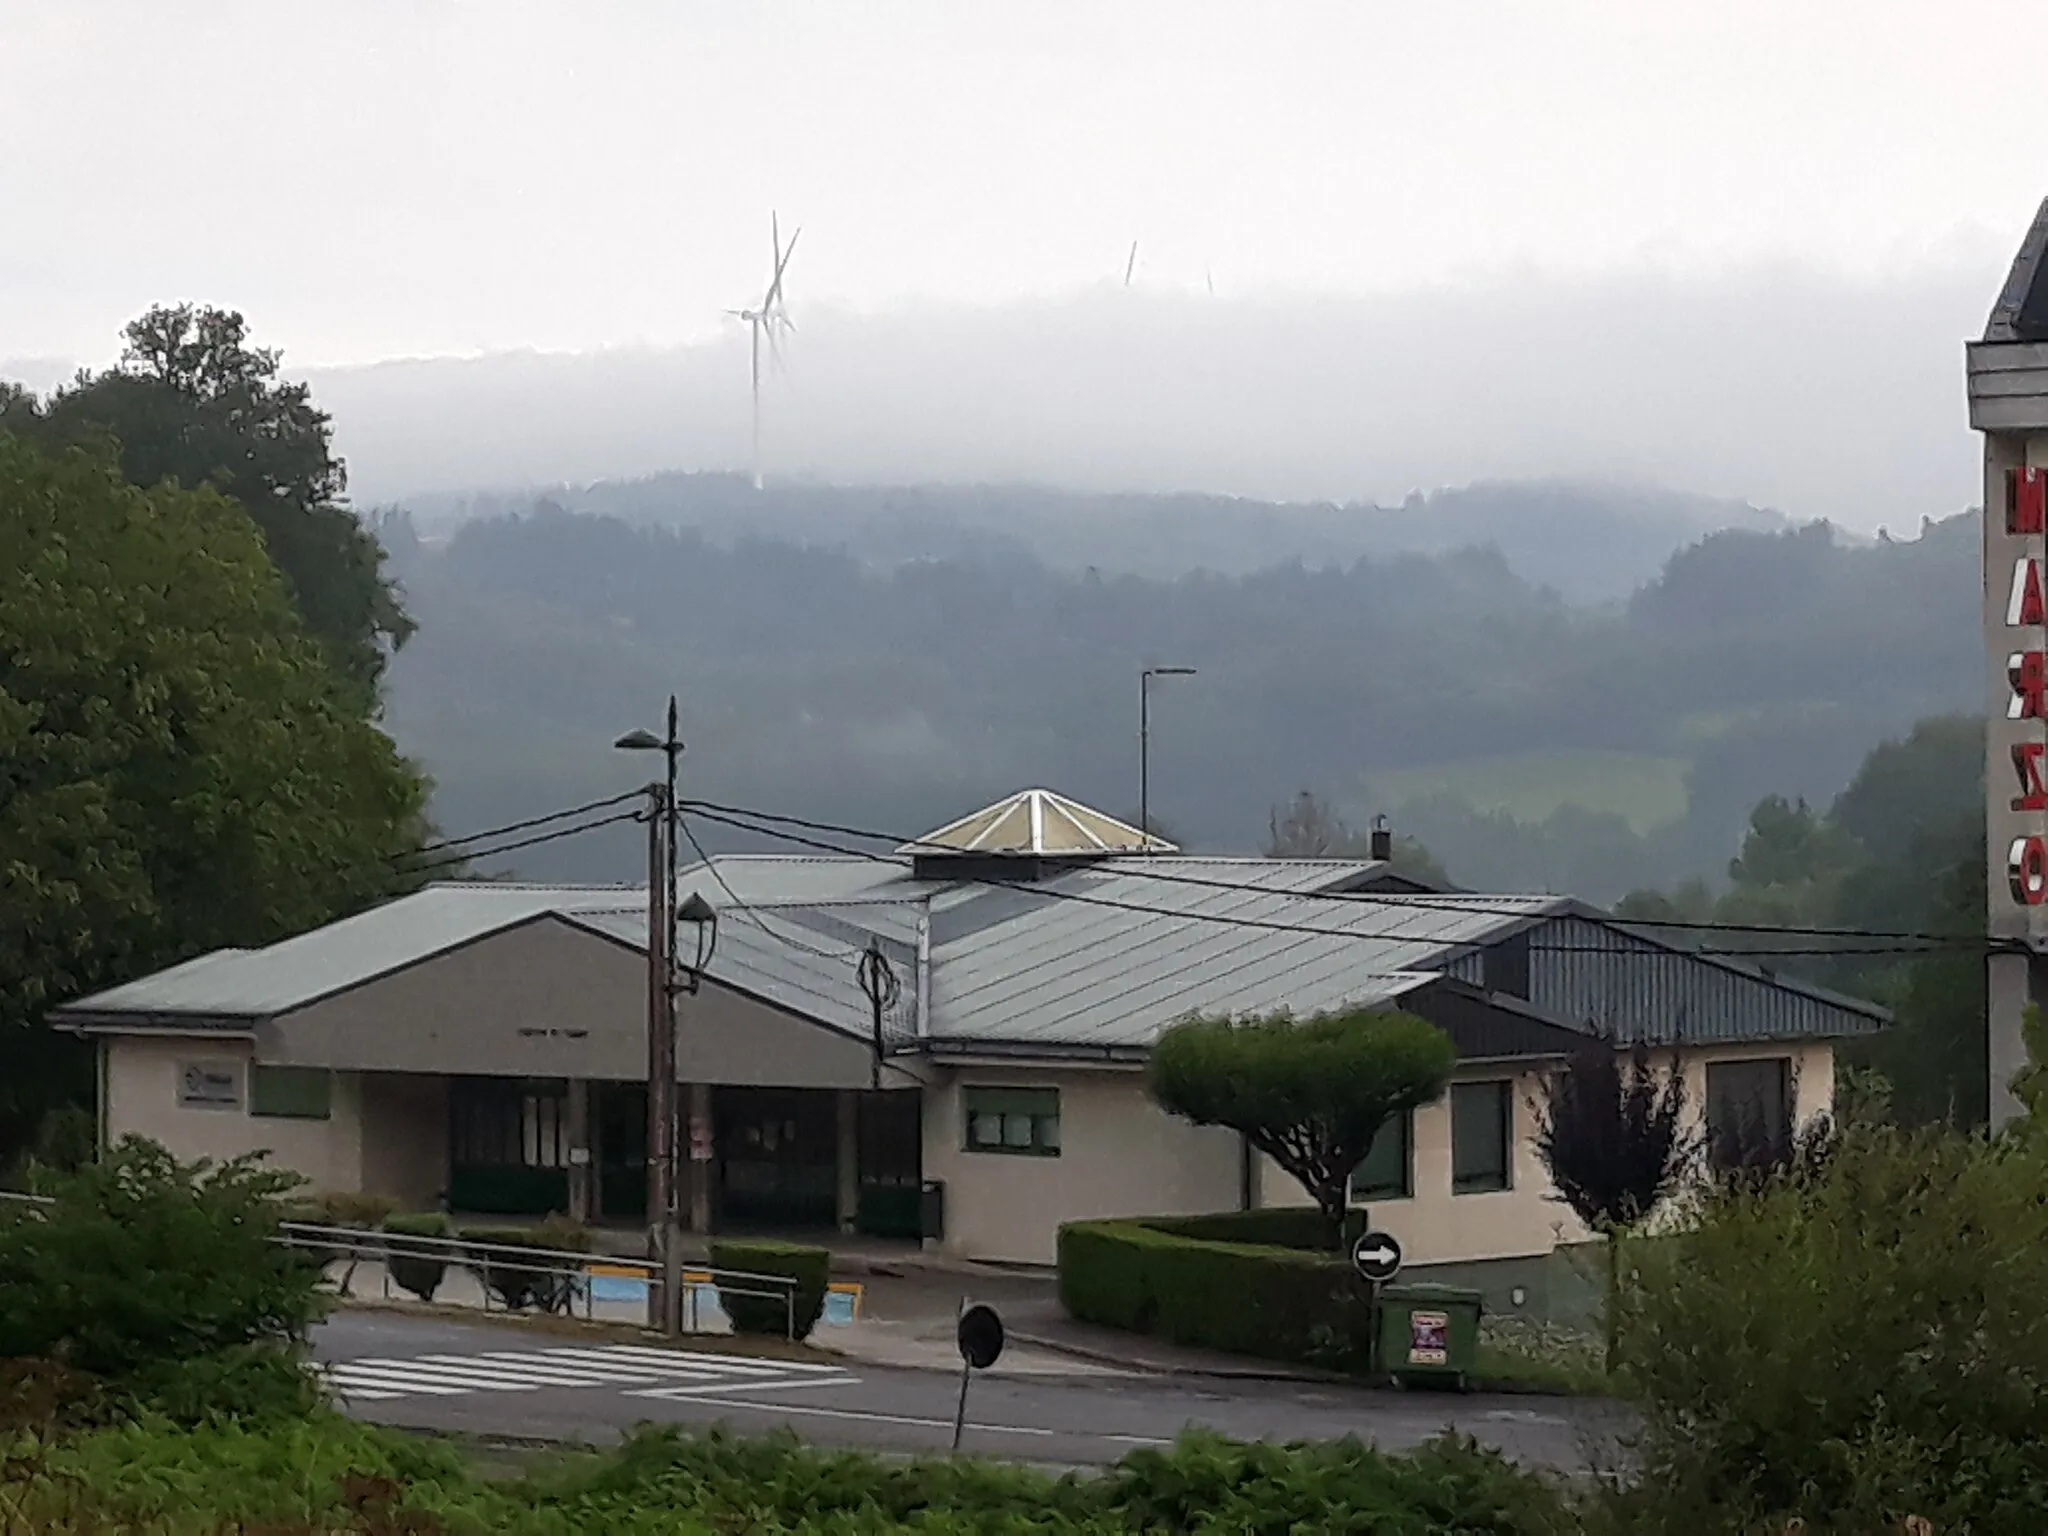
{"x": 1388, "y": 1172}
{"x": 291, "y": 1093}
{"x": 1482, "y": 1137}
{"x": 1024, "y": 1122}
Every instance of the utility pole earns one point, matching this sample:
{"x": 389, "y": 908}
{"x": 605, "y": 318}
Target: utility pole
{"x": 664, "y": 1246}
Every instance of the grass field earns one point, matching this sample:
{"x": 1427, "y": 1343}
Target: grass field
{"x": 1646, "y": 790}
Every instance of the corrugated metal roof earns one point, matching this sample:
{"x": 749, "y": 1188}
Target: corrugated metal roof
{"x": 1103, "y": 955}
{"x": 262, "y": 983}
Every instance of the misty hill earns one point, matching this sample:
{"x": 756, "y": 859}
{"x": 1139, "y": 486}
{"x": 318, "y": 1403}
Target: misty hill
{"x": 1813, "y": 393}
{"x": 1590, "y": 543}
{"x": 1528, "y": 740}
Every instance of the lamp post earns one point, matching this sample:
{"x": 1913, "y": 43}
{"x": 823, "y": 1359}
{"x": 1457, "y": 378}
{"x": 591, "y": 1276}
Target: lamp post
{"x": 1145, "y": 747}
{"x": 662, "y": 1243}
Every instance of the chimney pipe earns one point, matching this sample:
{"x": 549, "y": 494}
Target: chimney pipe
{"x": 1382, "y": 839}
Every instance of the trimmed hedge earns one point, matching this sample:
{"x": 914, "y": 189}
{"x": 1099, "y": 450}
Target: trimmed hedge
{"x": 1250, "y": 1299}
{"x": 420, "y": 1268}
{"x": 1279, "y": 1226}
{"x": 810, "y": 1267}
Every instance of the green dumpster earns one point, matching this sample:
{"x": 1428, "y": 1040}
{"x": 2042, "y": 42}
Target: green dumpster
{"x": 1429, "y": 1333}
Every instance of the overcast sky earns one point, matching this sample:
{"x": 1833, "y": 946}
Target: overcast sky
{"x": 374, "y": 179}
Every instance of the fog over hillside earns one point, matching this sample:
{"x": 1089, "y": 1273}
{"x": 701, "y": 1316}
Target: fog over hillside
{"x": 1817, "y": 396}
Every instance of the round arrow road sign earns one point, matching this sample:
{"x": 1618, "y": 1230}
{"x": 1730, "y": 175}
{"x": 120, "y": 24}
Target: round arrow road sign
{"x": 980, "y": 1336}
{"x": 1376, "y": 1257}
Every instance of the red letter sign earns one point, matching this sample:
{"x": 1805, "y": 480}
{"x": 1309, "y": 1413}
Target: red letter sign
{"x": 2026, "y": 867}
{"x": 2027, "y": 671}
{"x": 2025, "y": 606}
{"x": 2026, "y": 505}
{"x": 2029, "y": 760}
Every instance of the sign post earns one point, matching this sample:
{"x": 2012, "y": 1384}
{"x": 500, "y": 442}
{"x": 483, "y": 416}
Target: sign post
{"x": 2007, "y": 377}
{"x": 980, "y": 1337}
{"x": 1376, "y": 1257}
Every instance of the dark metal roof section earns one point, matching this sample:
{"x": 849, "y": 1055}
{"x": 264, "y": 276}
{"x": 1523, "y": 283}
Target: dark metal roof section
{"x": 2021, "y": 313}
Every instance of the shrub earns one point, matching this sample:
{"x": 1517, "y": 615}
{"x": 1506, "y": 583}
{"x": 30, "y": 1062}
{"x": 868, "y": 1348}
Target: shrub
{"x": 521, "y": 1280}
{"x": 141, "y": 1261}
{"x": 417, "y": 1268}
{"x": 1273, "y": 1226}
{"x": 1275, "y": 1303}
{"x": 810, "y": 1268}
{"x": 1850, "y": 1343}
{"x": 344, "y": 1209}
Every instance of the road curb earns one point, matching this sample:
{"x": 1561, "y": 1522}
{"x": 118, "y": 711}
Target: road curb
{"x": 1201, "y": 1372}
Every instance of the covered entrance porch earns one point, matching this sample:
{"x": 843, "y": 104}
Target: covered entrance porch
{"x": 782, "y": 1160}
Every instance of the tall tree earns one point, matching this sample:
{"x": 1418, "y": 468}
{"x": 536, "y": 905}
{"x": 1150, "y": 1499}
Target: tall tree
{"x": 193, "y": 401}
{"x": 1311, "y": 1094}
{"x": 180, "y": 770}
{"x": 1612, "y": 1134}
{"x": 1308, "y": 827}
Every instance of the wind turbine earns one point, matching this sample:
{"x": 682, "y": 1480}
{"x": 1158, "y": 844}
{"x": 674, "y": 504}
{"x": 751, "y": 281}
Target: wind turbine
{"x": 766, "y": 319}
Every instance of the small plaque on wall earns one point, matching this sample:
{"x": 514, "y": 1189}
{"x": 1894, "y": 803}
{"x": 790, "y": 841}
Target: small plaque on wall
{"x": 209, "y": 1085}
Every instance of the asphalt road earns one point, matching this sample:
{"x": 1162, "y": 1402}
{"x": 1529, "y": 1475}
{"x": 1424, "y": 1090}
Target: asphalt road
{"x": 508, "y": 1381}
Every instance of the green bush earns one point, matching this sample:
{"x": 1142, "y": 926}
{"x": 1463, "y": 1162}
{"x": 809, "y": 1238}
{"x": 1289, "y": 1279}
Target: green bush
{"x": 141, "y": 1262}
{"x": 1275, "y": 1303}
{"x": 521, "y": 1280}
{"x": 330, "y": 1474}
{"x": 1849, "y": 1345}
{"x": 1274, "y": 1226}
{"x": 417, "y": 1268}
{"x": 810, "y": 1268}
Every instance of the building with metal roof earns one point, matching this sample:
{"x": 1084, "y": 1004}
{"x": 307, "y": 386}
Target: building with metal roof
{"x": 483, "y": 1045}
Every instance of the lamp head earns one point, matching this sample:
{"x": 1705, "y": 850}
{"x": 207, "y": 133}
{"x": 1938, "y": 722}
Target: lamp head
{"x": 639, "y": 741}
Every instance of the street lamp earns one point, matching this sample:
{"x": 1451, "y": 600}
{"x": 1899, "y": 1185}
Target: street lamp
{"x": 1145, "y": 747}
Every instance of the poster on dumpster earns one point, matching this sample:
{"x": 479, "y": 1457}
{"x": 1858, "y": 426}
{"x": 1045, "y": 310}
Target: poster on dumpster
{"x": 1429, "y": 1338}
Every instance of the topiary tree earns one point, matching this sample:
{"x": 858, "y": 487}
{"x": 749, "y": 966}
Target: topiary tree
{"x": 1311, "y": 1093}
{"x": 1612, "y": 1135}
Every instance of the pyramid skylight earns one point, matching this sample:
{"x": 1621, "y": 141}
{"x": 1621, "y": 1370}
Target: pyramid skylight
{"x": 1038, "y": 821}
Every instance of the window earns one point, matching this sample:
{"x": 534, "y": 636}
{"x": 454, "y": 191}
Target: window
{"x": 1749, "y": 1111}
{"x": 1482, "y": 1136}
{"x": 1025, "y": 1121}
{"x": 291, "y": 1093}
{"x": 1388, "y": 1172}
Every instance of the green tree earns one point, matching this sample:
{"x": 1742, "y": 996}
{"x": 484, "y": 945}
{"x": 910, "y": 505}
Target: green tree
{"x": 1308, "y": 827}
{"x": 193, "y": 402}
{"x": 1311, "y": 1094}
{"x": 179, "y": 768}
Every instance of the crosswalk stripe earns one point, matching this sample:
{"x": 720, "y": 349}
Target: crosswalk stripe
{"x": 707, "y": 1360}
{"x": 623, "y": 1366}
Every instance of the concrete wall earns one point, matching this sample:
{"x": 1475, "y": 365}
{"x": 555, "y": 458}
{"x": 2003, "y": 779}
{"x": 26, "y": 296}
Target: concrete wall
{"x": 548, "y": 999}
{"x": 1120, "y": 1155}
{"x": 142, "y": 1086}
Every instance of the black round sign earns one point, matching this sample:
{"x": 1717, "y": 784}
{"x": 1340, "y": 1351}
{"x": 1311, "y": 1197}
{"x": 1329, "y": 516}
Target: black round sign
{"x": 981, "y": 1336}
{"x": 1376, "y": 1256}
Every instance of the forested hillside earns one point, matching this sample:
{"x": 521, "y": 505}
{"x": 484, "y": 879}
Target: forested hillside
{"x": 1525, "y": 739}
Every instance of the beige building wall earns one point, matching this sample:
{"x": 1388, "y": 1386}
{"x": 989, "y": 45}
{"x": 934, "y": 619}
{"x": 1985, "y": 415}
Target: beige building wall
{"x": 405, "y": 1138}
{"x": 142, "y": 1098}
{"x": 1120, "y": 1155}
{"x": 1436, "y": 1225}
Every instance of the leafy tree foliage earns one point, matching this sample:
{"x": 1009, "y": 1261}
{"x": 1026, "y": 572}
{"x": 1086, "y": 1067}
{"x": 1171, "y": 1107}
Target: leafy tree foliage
{"x": 179, "y": 768}
{"x": 1612, "y": 1134}
{"x": 1310, "y": 828}
{"x": 1311, "y": 1094}
{"x": 194, "y": 402}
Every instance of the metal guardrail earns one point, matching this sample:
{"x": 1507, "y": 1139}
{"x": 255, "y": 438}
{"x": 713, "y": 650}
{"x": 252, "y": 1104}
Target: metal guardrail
{"x": 570, "y": 1272}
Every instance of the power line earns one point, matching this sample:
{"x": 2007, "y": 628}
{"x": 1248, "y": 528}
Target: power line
{"x": 535, "y": 841}
{"x": 532, "y": 821}
{"x": 1937, "y": 943}
{"x": 747, "y": 911}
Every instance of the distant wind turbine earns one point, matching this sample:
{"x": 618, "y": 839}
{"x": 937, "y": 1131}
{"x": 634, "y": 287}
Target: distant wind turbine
{"x": 766, "y": 319}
